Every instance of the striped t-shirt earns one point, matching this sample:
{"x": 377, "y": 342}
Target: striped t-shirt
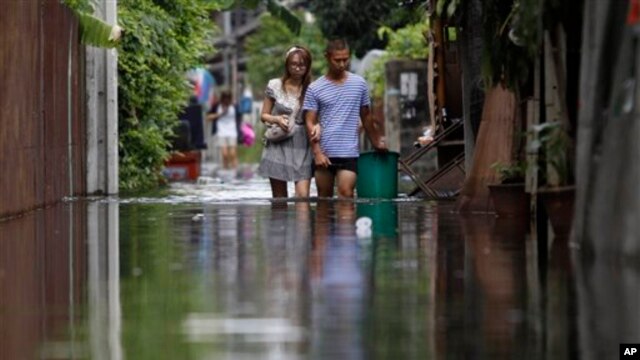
{"x": 338, "y": 108}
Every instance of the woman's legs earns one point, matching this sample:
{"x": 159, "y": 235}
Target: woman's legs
{"x": 278, "y": 188}
{"x": 228, "y": 152}
{"x": 224, "y": 151}
{"x": 233, "y": 157}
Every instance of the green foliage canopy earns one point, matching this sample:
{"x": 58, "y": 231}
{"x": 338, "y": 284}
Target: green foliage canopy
{"x": 279, "y": 11}
{"x": 164, "y": 39}
{"x": 405, "y": 43}
{"x": 358, "y": 20}
{"x": 79, "y": 5}
{"x": 267, "y": 46}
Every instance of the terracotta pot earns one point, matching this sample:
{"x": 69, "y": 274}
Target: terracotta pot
{"x": 558, "y": 202}
{"x": 510, "y": 200}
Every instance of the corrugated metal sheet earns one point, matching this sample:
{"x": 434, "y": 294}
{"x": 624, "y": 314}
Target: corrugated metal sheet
{"x": 38, "y": 42}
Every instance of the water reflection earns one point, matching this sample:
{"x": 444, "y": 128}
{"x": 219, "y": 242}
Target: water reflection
{"x": 58, "y": 290}
{"x": 497, "y": 288}
{"x": 296, "y": 280}
{"x": 337, "y": 283}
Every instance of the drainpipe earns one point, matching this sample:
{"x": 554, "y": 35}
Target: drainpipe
{"x": 111, "y": 7}
{"x": 70, "y": 161}
{"x": 70, "y": 164}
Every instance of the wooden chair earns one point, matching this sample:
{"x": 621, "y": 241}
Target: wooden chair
{"x": 426, "y": 186}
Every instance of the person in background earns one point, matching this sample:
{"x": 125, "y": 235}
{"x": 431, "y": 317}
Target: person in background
{"x": 287, "y": 155}
{"x": 338, "y": 101}
{"x": 226, "y": 124}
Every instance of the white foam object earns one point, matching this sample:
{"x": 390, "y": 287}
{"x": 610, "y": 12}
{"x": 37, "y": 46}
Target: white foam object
{"x": 364, "y": 222}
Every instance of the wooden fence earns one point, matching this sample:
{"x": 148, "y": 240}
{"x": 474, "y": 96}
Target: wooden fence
{"x": 43, "y": 257}
{"x": 42, "y": 122}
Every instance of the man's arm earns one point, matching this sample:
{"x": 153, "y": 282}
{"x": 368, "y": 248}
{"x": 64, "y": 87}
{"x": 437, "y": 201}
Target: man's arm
{"x": 377, "y": 140}
{"x": 311, "y": 122}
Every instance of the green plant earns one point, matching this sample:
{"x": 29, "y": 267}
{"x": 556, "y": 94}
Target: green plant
{"x": 357, "y": 20}
{"x": 165, "y": 39}
{"x": 80, "y": 5}
{"x": 510, "y": 173}
{"x": 266, "y": 48}
{"x": 552, "y": 143}
{"x": 93, "y": 31}
{"x": 405, "y": 43}
{"x": 275, "y": 8}
{"x": 252, "y": 154}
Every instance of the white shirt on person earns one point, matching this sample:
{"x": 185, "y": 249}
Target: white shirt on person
{"x": 226, "y": 124}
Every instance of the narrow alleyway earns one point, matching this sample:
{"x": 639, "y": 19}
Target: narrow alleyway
{"x": 215, "y": 270}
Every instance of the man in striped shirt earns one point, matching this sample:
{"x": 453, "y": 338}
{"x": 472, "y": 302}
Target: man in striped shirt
{"x": 338, "y": 100}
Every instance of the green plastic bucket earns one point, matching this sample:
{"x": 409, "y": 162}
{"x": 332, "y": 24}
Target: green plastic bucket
{"x": 378, "y": 175}
{"x": 383, "y": 215}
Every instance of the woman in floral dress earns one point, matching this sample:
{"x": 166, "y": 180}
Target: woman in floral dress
{"x": 287, "y": 155}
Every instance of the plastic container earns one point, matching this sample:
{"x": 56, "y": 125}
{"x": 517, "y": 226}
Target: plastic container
{"x": 378, "y": 175}
{"x": 383, "y": 215}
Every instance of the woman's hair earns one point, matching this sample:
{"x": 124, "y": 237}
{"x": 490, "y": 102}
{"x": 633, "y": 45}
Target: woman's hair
{"x": 225, "y": 94}
{"x": 305, "y": 55}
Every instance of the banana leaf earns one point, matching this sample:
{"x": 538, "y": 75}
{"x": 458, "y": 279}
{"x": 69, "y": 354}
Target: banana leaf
{"x": 96, "y": 32}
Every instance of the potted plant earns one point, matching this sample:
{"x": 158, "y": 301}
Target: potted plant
{"x": 509, "y": 196}
{"x": 552, "y": 143}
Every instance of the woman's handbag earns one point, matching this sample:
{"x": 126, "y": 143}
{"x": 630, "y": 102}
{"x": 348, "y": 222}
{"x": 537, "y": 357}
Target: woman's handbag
{"x": 275, "y": 133}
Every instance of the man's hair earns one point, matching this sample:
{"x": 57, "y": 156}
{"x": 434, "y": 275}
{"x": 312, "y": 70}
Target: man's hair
{"x": 336, "y": 45}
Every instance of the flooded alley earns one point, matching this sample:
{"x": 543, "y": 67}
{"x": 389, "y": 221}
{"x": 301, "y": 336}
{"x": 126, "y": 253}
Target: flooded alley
{"x": 486, "y": 153}
{"x": 215, "y": 270}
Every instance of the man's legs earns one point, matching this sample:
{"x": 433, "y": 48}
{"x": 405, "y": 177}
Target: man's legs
{"x": 324, "y": 182}
{"x": 346, "y": 183}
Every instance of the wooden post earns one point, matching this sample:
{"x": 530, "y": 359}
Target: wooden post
{"x": 440, "y": 67}
{"x": 556, "y": 109}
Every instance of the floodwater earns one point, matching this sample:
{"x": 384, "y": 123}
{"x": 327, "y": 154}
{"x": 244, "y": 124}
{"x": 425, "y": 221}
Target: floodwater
{"x": 215, "y": 270}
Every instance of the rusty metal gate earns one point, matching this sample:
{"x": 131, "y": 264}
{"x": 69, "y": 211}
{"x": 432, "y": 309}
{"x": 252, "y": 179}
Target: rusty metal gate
{"x": 42, "y": 123}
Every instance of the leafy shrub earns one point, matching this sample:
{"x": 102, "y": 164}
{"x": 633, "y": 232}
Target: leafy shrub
{"x": 163, "y": 40}
{"x": 405, "y": 43}
{"x": 512, "y": 173}
{"x": 553, "y": 144}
